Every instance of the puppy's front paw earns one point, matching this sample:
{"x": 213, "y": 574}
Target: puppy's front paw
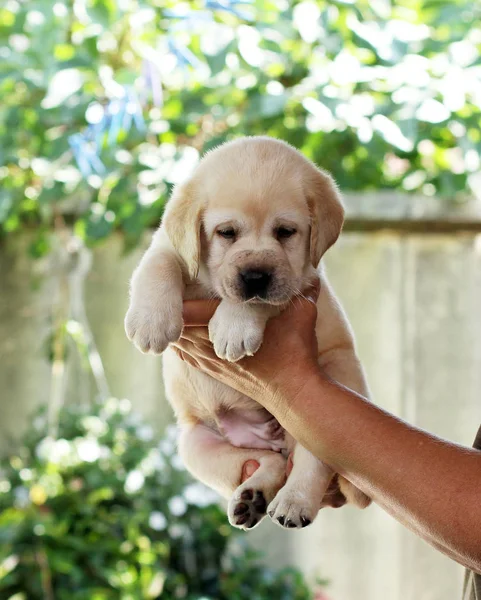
{"x": 153, "y": 328}
{"x": 234, "y": 338}
{"x": 294, "y": 508}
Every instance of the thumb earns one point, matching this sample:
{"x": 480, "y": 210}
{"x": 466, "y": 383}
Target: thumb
{"x": 198, "y": 312}
{"x": 312, "y": 294}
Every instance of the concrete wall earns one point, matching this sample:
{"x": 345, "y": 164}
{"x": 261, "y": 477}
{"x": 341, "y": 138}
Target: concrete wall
{"x": 414, "y": 304}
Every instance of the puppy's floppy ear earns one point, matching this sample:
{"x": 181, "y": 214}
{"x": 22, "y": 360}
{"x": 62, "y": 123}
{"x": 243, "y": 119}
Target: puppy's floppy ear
{"x": 327, "y": 212}
{"x": 182, "y": 223}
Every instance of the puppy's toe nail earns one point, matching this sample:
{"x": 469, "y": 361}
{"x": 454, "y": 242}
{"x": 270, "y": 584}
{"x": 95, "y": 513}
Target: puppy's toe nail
{"x": 290, "y": 524}
{"x": 240, "y": 509}
{"x": 281, "y": 520}
{"x": 305, "y": 522}
{"x": 247, "y": 494}
{"x": 271, "y": 513}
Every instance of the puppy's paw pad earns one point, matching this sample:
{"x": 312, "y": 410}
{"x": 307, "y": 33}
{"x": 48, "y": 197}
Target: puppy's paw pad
{"x": 291, "y": 510}
{"x": 247, "y": 508}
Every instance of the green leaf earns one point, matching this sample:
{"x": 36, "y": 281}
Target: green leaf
{"x": 64, "y": 52}
{"x": 102, "y": 12}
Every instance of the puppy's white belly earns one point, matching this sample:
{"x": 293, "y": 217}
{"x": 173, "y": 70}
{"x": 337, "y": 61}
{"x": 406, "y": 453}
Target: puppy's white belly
{"x": 242, "y": 421}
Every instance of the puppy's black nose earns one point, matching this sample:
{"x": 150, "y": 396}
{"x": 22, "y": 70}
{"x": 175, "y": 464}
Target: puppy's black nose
{"x": 255, "y": 283}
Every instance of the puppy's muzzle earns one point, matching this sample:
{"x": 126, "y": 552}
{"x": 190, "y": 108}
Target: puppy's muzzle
{"x": 255, "y": 283}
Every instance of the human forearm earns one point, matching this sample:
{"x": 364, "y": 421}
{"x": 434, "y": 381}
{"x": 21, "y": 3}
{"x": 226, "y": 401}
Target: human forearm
{"x": 431, "y": 486}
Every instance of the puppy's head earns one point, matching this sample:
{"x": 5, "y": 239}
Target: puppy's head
{"x": 254, "y": 220}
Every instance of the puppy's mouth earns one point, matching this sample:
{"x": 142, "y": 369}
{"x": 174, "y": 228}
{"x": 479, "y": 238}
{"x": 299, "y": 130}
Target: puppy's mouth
{"x": 256, "y": 286}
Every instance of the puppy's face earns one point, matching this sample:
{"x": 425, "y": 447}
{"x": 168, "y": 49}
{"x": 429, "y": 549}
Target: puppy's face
{"x": 256, "y": 246}
{"x": 254, "y": 220}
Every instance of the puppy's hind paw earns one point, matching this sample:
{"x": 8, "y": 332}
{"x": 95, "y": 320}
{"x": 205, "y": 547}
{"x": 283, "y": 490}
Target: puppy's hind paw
{"x": 247, "y": 508}
{"x": 292, "y": 509}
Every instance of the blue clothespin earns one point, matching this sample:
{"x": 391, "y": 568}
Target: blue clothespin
{"x": 229, "y": 6}
{"x": 85, "y": 155}
{"x": 133, "y": 108}
{"x": 185, "y": 56}
{"x": 152, "y": 82}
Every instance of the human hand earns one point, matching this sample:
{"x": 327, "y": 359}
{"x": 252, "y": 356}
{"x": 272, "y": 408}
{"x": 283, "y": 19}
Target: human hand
{"x": 279, "y": 369}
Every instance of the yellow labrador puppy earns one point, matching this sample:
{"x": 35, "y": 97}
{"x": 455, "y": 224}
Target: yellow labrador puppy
{"x": 250, "y": 227}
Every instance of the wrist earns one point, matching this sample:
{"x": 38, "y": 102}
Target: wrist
{"x": 304, "y": 406}
{"x": 289, "y": 389}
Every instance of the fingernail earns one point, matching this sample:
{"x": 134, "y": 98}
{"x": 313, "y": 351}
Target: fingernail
{"x": 314, "y": 292}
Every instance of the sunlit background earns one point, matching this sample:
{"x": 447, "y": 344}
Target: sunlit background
{"x": 104, "y": 106}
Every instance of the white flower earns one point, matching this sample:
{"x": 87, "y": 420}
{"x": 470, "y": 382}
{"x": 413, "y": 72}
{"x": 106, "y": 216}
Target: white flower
{"x": 26, "y": 474}
{"x": 134, "y": 482}
{"x": 145, "y": 433}
{"x": 167, "y": 447}
{"x": 152, "y": 462}
{"x": 177, "y": 506}
{"x": 94, "y": 426}
{"x": 176, "y": 531}
{"x": 22, "y": 497}
{"x": 110, "y": 407}
{"x": 177, "y": 463}
{"x": 171, "y": 433}
{"x": 157, "y": 520}
{"x": 5, "y": 486}
{"x": 125, "y": 406}
{"x": 44, "y": 448}
{"x": 88, "y": 449}
{"x": 61, "y": 449}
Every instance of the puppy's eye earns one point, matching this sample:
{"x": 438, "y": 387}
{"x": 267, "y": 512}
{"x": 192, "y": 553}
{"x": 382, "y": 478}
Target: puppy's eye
{"x": 228, "y": 233}
{"x": 282, "y": 233}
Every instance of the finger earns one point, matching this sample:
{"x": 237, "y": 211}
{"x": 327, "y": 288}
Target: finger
{"x": 333, "y": 496}
{"x": 248, "y": 469}
{"x": 184, "y": 346}
{"x": 313, "y": 292}
{"x": 195, "y": 348}
{"x": 186, "y": 357}
{"x": 334, "y": 500}
{"x": 178, "y": 351}
{"x": 290, "y": 464}
{"x": 199, "y": 312}
{"x": 194, "y": 334}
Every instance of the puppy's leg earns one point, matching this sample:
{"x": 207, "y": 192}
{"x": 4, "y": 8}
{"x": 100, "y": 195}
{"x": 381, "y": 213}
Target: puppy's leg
{"x": 237, "y": 330}
{"x": 154, "y": 318}
{"x": 212, "y": 460}
{"x": 298, "y": 502}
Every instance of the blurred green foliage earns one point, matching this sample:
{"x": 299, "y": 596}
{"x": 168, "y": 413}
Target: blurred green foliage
{"x": 104, "y": 512}
{"x": 384, "y": 94}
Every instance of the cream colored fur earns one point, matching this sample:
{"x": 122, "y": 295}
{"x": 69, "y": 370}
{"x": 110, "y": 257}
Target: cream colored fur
{"x": 253, "y": 185}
